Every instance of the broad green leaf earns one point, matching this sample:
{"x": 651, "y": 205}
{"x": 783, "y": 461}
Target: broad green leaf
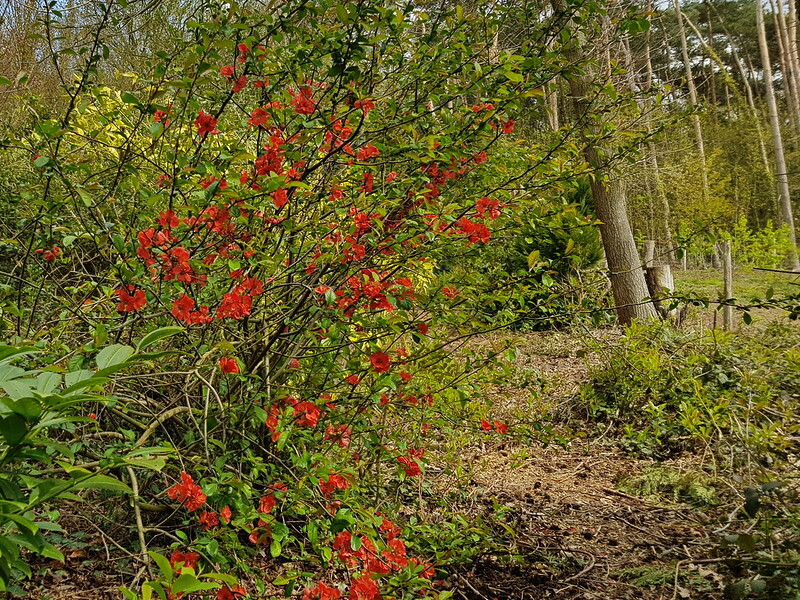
{"x": 104, "y": 482}
{"x": 154, "y": 336}
{"x": 113, "y": 355}
{"x": 13, "y": 428}
{"x": 189, "y": 583}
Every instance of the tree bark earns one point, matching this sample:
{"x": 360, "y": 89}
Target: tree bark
{"x": 625, "y": 269}
{"x": 687, "y": 67}
{"x": 781, "y": 175}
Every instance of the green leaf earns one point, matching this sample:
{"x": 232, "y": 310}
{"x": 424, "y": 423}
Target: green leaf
{"x": 8, "y": 352}
{"x": 275, "y": 548}
{"x": 129, "y": 98}
{"x": 14, "y": 428}
{"x": 5, "y": 80}
{"x": 163, "y": 564}
{"x": 154, "y": 336}
{"x": 113, "y": 355}
{"x": 188, "y": 582}
{"x": 104, "y": 482}
{"x": 41, "y": 161}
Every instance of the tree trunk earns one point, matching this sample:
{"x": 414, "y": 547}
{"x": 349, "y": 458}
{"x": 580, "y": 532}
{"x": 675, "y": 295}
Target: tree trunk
{"x": 781, "y": 175}
{"x": 687, "y": 67}
{"x": 787, "y": 66}
{"x": 625, "y": 269}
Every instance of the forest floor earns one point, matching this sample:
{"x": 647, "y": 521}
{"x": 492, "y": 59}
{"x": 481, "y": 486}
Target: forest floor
{"x": 578, "y": 532}
{"x": 577, "y": 520}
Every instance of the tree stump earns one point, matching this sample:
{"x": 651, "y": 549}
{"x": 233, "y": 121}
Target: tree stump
{"x": 661, "y": 285}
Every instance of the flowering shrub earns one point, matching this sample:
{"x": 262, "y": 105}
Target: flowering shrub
{"x": 281, "y": 200}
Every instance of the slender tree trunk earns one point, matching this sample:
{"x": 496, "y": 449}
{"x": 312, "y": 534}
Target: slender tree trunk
{"x": 793, "y": 54}
{"x": 628, "y": 284}
{"x": 788, "y": 67}
{"x": 781, "y": 175}
{"x": 749, "y": 94}
{"x": 687, "y": 67}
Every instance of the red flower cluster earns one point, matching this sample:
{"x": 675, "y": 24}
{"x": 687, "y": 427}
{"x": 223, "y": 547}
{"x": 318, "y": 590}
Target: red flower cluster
{"x": 339, "y": 434}
{"x": 49, "y": 255}
{"x": 380, "y": 362}
{"x": 321, "y": 592}
{"x": 484, "y": 106}
{"x": 234, "y": 593}
{"x": 499, "y": 426}
{"x": 187, "y": 492}
{"x": 189, "y": 559}
{"x": 208, "y": 520}
{"x": 303, "y": 102}
{"x": 228, "y": 365}
{"x": 334, "y": 482}
{"x": 306, "y": 413}
{"x": 409, "y": 462}
{"x": 205, "y": 124}
{"x": 475, "y": 232}
{"x": 130, "y": 299}
{"x": 366, "y": 105}
{"x": 487, "y": 205}
{"x": 182, "y": 310}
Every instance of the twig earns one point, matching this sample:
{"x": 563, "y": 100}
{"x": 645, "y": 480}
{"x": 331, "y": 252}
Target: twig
{"x": 138, "y": 514}
{"x": 687, "y": 561}
{"x": 157, "y": 423}
{"x": 585, "y": 569}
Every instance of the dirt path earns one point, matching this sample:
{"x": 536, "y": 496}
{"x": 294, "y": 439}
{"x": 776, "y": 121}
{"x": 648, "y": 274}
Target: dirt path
{"x": 578, "y": 535}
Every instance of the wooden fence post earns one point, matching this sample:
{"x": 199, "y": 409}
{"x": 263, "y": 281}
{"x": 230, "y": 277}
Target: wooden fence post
{"x": 727, "y": 283}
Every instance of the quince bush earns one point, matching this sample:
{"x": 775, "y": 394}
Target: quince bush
{"x": 276, "y": 186}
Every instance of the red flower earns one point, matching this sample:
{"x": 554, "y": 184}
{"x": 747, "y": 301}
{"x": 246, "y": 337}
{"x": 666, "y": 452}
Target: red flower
{"x": 508, "y": 126}
{"x": 366, "y": 105}
{"x": 352, "y": 379}
{"x": 226, "y": 71}
{"x": 226, "y": 514}
{"x": 423, "y": 328}
{"x": 308, "y": 414}
{"x": 189, "y": 559}
{"x": 266, "y": 504}
{"x": 321, "y": 592}
{"x": 239, "y": 84}
{"x": 187, "y": 492}
{"x": 226, "y": 593}
{"x": 364, "y": 588}
{"x": 208, "y": 519}
{"x": 228, "y": 365}
{"x": 280, "y": 198}
{"x": 409, "y": 463}
{"x": 380, "y": 362}
{"x": 369, "y": 182}
{"x": 333, "y": 483}
{"x": 500, "y": 427}
{"x": 340, "y": 434}
{"x": 487, "y": 204}
{"x": 302, "y": 102}
{"x": 406, "y": 375}
{"x": 450, "y": 291}
{"x": 205, "y": 124}
{"x": 485, "y": 425}
{"x": 182, "y": 307}
{"x": 259, "y": 118}
{"x": 234, "y": 305}
{"x": 49, "y": 255}
{"x": 130, "y": 302}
